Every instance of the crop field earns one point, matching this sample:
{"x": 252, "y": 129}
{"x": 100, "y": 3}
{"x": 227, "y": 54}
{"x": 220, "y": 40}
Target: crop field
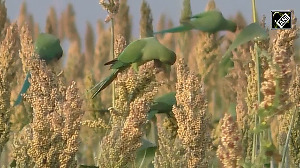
{"x": 213, "y": 92}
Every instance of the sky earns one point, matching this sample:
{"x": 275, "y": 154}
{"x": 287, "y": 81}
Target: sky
{"x": 90, "y": 10}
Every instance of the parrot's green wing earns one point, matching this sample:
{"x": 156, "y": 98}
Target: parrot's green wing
{"x": 208, "y": 22}
{"x": 207, "y": 14}
{"x": 203, "y": 14}
{"x": 186, "y": 21}
{"x": 198, "y": 15}
{"x": 162, "y": 104}
{"x": 181, "y": 28}
{"x": 23, "y": 90}
{"x": 185, "y": 26}
{"x": 131, "y": 54}
{"x": 166, "y": 99}
{"x": 48, "y": 47}
{"x": 154, "y": 50}
{"x": 212, "y": 22}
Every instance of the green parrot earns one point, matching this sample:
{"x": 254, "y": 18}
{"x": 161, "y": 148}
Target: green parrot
{"x": 48, "y": 48}
{"x": 162, "y": 104}
{"x": 210, "y": 22}
{"x": 136, "y": 54}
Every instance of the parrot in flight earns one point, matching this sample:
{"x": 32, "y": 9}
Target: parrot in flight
{"x": 135, "y": 54}
{"x": 162, "y": 104}
{"x": 48, "y": 48}
{"x": 210, "y": 22}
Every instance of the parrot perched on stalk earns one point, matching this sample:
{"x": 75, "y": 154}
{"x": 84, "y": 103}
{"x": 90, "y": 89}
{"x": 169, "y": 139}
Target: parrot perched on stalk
{"x": 210, "y": 22}
{"x": 48, "y": 48}
{"x": 136, "y": 54}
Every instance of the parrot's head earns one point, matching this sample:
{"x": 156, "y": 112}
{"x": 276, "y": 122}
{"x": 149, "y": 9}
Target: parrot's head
{"x": 169, "y": 57}
{"x": 231, "y": 26}
{"x": 48, "y": 47}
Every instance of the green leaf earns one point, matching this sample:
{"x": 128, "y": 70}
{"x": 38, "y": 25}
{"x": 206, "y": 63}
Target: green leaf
{"x": 261, "y": 127}
{"x": 146, "y": 144}
{"x": 168, "y": 98}
{"x": 13, "y": 164}
{"x": 252, "y": 32}
{"x": 232, "y": 109}
{"x": 247, "y": 164}
{"x": 225, "y": 65}
{"x": 145, "y": 154}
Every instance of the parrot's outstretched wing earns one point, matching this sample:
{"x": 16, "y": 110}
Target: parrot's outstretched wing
{"x": 23, "y": 90}
{"x": 181, "y": 28}
{"x": 200, "y": 21}
{"x": 211, "y": 21}
{"x": 207, "y": 13}
{"x": 199, "y": 15}
{"x": 187, "y": 20}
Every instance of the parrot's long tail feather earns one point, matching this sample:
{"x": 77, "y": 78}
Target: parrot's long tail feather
{"x": 175, "y": 29}
{"x": 23, "y": 90}
{"x": 95, "y": 86}
{"x": 107, "y": 81}
{"x": 111, "y": 62}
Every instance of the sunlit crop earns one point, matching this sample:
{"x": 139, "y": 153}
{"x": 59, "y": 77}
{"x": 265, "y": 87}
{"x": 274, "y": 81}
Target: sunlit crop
{"x": 228, "y": 101}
